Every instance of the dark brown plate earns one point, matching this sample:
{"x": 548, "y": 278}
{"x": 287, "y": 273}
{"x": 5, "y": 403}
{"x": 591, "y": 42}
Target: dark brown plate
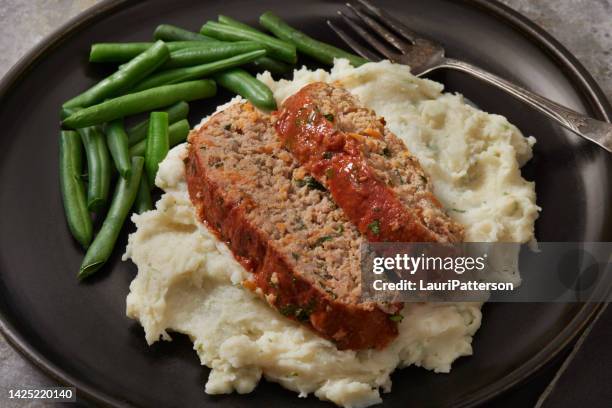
{"x": 79, "y": 333}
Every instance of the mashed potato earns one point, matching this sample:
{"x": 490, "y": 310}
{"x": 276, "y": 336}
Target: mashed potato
{"x": 188, "y": 281}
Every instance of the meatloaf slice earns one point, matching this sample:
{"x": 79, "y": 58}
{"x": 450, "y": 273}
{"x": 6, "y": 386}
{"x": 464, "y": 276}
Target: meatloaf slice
{"x": 283, "y": 226}
{"x": 368, "y": 170}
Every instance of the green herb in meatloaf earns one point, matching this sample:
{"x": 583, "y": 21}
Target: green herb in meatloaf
{"x": 331, "y": 293}
{"x": 399, "y": 176}
{"x": 321, "y": 240}
{"x": 301, "y": 313}
{"x": 374, "y": 226}
{"x": 396, "y": 318}
{"x": 299, "y": 223}
{"x": 310, "y": 182}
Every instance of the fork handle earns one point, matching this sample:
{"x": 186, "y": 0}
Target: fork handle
{"x": 592, "y": 129}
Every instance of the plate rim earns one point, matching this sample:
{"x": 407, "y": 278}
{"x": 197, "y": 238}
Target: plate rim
{"x": 583, "y": 81}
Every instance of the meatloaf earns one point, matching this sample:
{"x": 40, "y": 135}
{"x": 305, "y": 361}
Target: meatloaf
{"x": 368, "y": 170}
{"x": 284, "y": 227}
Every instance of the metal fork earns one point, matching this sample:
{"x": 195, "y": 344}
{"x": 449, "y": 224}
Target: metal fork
{"x": 400, "y": 44}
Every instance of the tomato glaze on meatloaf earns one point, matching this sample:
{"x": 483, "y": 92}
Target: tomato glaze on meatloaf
{"x": 368, "y": 170}
{"x": 283, "y": 226}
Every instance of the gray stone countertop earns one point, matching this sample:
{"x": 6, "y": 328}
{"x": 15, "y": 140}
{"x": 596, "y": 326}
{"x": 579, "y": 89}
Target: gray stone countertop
{"x": 583, "y": 26}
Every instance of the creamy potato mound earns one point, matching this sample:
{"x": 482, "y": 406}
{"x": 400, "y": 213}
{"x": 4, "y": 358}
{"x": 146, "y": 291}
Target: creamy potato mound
{"x": 188, "y": 282}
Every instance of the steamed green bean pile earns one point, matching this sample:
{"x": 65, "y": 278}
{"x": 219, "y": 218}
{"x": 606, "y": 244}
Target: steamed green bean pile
{"x": 103, "y": 149}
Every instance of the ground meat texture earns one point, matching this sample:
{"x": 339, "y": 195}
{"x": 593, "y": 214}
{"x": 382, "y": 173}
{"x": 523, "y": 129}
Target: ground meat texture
{"x": 368, "y": 170}
{"x": 283, "y": 227}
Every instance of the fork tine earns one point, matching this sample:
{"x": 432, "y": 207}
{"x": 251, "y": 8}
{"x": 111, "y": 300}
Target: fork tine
{"x": 391, "y": 21}
{"x": 358, "y": 48}
{"x": 399, "y": 43}
{"x": 379, "y": 46}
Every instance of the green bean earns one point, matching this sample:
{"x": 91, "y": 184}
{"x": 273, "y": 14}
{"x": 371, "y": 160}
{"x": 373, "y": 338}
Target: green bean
{"x": 98, "y": 167}
{"x": 158, "y": 144}
{"x": 138, "y": 102}
{"x": 143, "y": 198}
{"x": 263, "y": 63}
{"x": 138, "y": 132}
{"x": 140, "y": 148}
{"x": 124, "y": 78}
{"x": 211, "y": 52}
{"x": 176, "y": 75}
{"x": 318, "y": 50}
{"x": 214, "y": 51}
{"x": 122, "y": 52}
{"x": 98, "y": 164}
{"x": 207, "y": 52}
{"x": 241, "y": 82}
{"x": 73, "y": 190}
{"x": 177, "y": 133}
{"x": 169, "y": 32}
{"x": 276, "y": 48}
{"x": 117, "y": 141}
{"x": 223, "y": 19}
{"x": 123, "y": 199}
{"x": 65, "y": 112}
{"x": 271, "y": 65}
{"x": 116, "y": 52}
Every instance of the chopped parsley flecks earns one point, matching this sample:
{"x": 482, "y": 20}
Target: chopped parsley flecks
{"x": 299, "y": 223}
{"x": 310, "y": 182}
{"x": 321, "y": 240}
{"x": 329, "y": 117}
{"x": 399, "y": 176}
{"x": 288, "y": 310}
{"x": 300, "y": 313}
{"x": 331, "y": 293}
{"x": 397, "y": 318}
{"x": 374, "y": 226}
